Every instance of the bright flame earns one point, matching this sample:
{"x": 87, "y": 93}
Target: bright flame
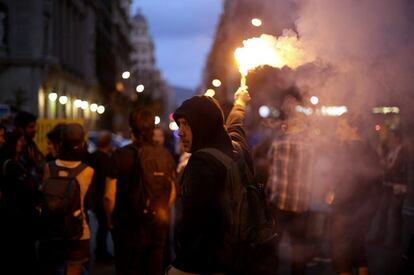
{"x": 285, "y": 50}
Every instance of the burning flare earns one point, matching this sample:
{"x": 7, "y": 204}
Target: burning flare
{"x": 285, "y": 50}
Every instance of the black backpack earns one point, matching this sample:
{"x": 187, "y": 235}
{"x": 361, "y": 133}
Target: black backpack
{"x": 153, "y": 186}
{"x": 251, "y": 235}
{"x": 61, "y": 213}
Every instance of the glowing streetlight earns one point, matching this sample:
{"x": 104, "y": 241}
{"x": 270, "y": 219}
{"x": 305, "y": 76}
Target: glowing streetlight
{"x": 264, "y": 111}
{"x": 126, "y": 75}
{"x": 63, "y": 99}
{"x": 93, "y": 107}
{"x": 101, "y": 109}
{"x": 157, "y": 120}
{"x": 140, "y": 88}
{"x": 210, "y": 93}
{"x": 314, "y": 100}
{"x": 173, "y": 126}
{"x": 84, "y": 105}
{"x": 257, "y": 22}
{"x": 53, "y": 97}
{"x": 77, "y": 103}
{"x": 216, "y": 83}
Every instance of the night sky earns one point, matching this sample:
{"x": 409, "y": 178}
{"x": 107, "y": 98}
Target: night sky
{"x": 183, "y": 31}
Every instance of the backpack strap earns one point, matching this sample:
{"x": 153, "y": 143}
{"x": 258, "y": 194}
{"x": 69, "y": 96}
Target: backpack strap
{"x": 219, "y": 155}
{"x": 5, "y": 166}
{"x": 72, "y": 172}
{"x": 53, "y": 169}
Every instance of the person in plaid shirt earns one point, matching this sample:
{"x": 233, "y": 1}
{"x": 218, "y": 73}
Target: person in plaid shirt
{"x": 289, "y": 183}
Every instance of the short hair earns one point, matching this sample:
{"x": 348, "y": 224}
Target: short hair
{"x": 103, "y": 139}
{"x": 23, "y": 119}
{"x": 8, "y": 150}
{"x": 55, "y": 135}
{"x": 73, "y": 145}
{"x": 142, "y": 125}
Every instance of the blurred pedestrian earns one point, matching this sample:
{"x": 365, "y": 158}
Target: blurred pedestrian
{"x": 2, "y": 132}
{"x": 138, "y": 196}
{"x": 20, "y": 198}
{"x": 31, "y": 157}
{"x": 387, "y": 224}
{"x": 53, "y": 138}
{"x": 57, "y": 250}
{"x": 354, "y": 198}
{"x": 100, "y": 162}
{"x": 289, "y": 183}
{"x": 158, "y": 136}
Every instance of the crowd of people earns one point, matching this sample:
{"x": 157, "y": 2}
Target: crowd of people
{"x": 165, "y": 213}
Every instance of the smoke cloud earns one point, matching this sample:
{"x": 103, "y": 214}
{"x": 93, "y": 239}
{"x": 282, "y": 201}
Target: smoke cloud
{"x": 365, "y": 50}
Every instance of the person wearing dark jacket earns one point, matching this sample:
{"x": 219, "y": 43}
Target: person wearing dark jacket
{"x": 139, "y": 237}
{"x": 201, "y": 223}
{"x": 20, "y": 198}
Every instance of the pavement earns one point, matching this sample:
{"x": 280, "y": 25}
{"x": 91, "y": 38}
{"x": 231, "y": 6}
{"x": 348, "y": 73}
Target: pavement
{"x": 381, "y": 261}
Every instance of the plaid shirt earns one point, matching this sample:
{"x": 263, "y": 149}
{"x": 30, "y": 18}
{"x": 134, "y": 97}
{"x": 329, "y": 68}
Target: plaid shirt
{"x": 289, "y": 184}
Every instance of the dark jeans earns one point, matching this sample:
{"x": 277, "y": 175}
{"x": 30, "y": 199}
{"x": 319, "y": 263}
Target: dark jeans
{"x": 348, "y": 241}
{"x": 295, "y": 224}
{"x": 101, "y": 235}
{"x": 408, "y": 245}
{"x": 17, "y": 256}
{"x": 387, "y": 224}
{"x": 71, "y": 256}
{"x": 139, "y": 251}
{"x": 17, "y": 246}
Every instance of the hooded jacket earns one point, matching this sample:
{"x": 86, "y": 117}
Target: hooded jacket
{"x": 201, "y": 225}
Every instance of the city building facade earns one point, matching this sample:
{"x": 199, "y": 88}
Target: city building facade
{"x": 63, "y": 58}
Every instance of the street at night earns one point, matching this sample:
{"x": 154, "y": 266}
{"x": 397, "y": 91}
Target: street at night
{"x": 215, "y": 137}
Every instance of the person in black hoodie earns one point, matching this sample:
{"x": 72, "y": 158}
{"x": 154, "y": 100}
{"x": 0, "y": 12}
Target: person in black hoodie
{"x": 201, "y": 224}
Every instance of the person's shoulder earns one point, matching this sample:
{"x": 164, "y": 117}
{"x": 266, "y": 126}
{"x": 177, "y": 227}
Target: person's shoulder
{"x": 204, "y": 160}
{"x": 125, "y": 151}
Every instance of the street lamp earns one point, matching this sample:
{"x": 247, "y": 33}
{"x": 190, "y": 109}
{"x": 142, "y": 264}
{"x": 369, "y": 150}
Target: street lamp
{"x": 210, "y": 93}
{"x": 314, "y": 100}
{"x": 173, "y": 126}
{"x": 93, "y": 107}
{"x": 101, "y": 109}
{"x": 84, "y": 105}
{"x": 53, "y": 97}
{"x": 257, "y": 22}
{"x": 77, "y": 103}
{"x": 63, "y": 99}
{"x": 140, "y": 88}
{"x": 157, "y": 120}
{"x": 216, "y": 83}
{"x": 126, "y": 75}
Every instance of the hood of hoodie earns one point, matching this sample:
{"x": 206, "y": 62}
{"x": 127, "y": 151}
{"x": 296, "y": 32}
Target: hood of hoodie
{"x": 206, "y": 120}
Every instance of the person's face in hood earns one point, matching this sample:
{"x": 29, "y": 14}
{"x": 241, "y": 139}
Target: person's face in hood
{"x": 185, "y": 134}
